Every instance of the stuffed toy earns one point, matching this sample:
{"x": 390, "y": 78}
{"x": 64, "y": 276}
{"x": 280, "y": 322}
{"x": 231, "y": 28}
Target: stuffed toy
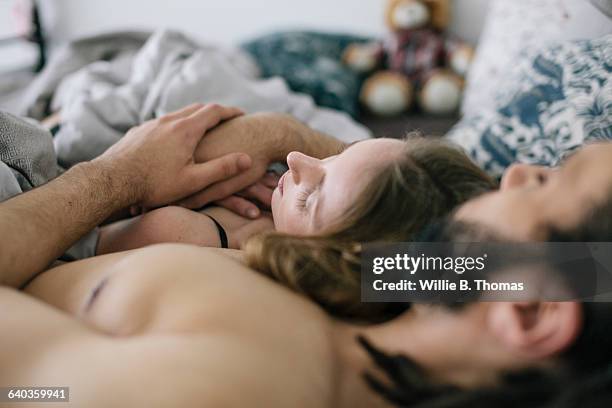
{"x": 416, "y": 64}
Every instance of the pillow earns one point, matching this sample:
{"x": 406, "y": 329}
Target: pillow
{"x": 604, "y": 5}
{"x": 511, "y": 26}
{"x": 553, "y": 101}
{"x": 311, "y": 63}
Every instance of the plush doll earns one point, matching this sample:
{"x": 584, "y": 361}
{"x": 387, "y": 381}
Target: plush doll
{"x": 419, "y": 63}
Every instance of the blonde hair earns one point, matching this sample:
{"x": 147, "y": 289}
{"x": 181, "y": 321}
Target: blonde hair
{"x": 427, "y": 181}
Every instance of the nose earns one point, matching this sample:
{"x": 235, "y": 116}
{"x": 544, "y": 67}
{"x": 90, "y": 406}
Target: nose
{"x": 524, "y": 175}
{"x": 304, "y": 168}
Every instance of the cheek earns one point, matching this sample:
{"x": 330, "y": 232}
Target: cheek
{"x": 277, "y": 210}
{"x": 287, "y": 218}
{"x": 275, "y": 200}
{"x": 289, "y": 222}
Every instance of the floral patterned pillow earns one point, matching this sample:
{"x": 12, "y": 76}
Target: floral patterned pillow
{"x": 311, "y": 63}
{"x": 554, "y": 100}
{"x": 513, "y": 25}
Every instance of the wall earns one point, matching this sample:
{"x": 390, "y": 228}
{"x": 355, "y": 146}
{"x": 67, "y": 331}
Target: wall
{"x": 230, "y": 21}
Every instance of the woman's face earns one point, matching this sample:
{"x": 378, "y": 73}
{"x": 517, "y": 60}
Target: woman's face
{"x": 314, "y": 194}
{"x": 532, "y": 198}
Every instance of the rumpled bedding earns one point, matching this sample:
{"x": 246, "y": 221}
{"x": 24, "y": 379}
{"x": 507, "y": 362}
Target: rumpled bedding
{"x": 27, "y": 161}
{"x": 101, "y": 101}
{"x": 105, "y": 85}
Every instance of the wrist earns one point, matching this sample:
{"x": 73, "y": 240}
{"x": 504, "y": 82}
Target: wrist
{"x": 293, "y": 135}
{"x": 115, "y": 181}
{"x": 290, "y": 137}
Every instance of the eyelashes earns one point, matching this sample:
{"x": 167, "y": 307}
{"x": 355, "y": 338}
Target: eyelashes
{"x": 302, "y": 199}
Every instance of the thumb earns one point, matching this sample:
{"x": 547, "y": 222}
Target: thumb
{"x": 202, "y": 175}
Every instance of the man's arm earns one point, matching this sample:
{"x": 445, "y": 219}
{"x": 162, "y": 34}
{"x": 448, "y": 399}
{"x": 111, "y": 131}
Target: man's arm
{"x": 266, "y": 138}
{"x": 151, "y": 166}
{"x": 287, "y": 134}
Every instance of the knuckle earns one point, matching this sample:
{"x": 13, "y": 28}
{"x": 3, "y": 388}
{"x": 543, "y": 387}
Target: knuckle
{"x": 215, "y": 109}
{"x": 178, "y": 125}
{"x": 165, "y": 119}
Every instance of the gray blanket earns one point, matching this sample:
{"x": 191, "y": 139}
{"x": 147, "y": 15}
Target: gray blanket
{"x": 101, "y": 101}
{"x": 106, "y": 84}
{"x": 36, "y": 100}
{"x": 26, "y": 150}
{"x": 27, "y": 161}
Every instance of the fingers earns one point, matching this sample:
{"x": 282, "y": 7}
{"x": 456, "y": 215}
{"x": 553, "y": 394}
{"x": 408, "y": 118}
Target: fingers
{"x": 184, "y": 113}
{"x": 219, "y": 190}
{"x": 259, "y": 192}
{"x": 210, "y": 116}
{"x": 240, "y": 206}
{"x": 270, "y": 179}
{"x": 203, "y": 175}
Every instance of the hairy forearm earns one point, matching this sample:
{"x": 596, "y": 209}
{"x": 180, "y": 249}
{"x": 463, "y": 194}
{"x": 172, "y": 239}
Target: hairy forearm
{"x": 152, "y": 165}
{"x": 297, "y": 136}
{"x": 38, "y": 226}
{"x": 273, "y": 135}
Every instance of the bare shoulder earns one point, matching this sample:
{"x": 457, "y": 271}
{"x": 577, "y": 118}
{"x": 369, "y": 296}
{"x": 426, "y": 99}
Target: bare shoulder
{"x": 225, "y": 328}
{"x": 190, "y": 326}
{"x": 221, "y": 369}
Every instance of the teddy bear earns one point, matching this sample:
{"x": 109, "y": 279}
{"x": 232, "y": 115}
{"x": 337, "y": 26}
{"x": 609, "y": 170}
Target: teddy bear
{"x": 420, "y": 65}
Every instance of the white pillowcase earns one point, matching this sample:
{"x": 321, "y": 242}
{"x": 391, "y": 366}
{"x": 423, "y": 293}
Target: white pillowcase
{"x": 512, "y": 26}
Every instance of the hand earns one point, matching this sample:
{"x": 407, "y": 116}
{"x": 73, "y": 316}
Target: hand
{"x": 156, "y": 159}
{"x": 266, "y": 138}
{"x": 246, "y": 202}
{"x": 259, "y": 136}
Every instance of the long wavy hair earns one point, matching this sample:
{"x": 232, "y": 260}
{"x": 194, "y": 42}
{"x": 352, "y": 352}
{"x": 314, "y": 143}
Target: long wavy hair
{"x": 428, "y": 180}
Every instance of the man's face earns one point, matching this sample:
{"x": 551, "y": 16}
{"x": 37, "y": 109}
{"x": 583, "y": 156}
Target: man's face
{"x": 533, "y": 199}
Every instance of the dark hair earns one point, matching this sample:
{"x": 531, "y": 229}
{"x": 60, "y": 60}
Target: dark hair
{"x": 584, "y": 380}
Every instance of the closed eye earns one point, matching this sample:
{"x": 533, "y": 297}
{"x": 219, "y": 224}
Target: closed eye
{"x": 302, "y": 199}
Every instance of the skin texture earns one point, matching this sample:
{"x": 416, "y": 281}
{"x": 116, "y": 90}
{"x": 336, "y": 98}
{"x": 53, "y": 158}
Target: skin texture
{"x": 179, "y": 321}
{"x": 533, "y": 198}
{"x": 179, "y": 225}
{"x": 197, "y": 352}
{"x": 152, "y": 165}
{"x": 315, "y": 195}
{"x": 266, "y": 138}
